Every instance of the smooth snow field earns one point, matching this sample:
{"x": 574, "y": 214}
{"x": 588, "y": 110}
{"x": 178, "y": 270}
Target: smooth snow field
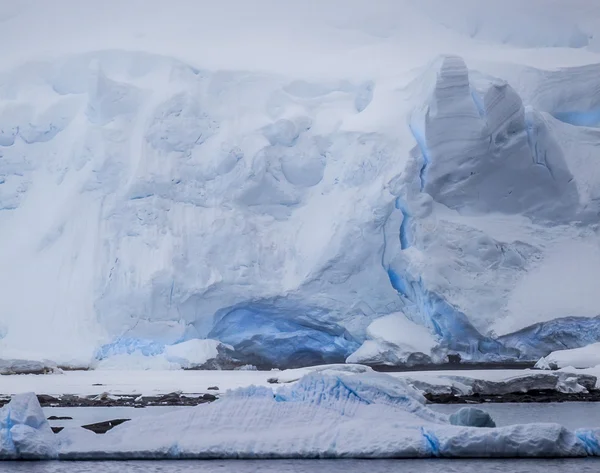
{"x": 287, "y": 183}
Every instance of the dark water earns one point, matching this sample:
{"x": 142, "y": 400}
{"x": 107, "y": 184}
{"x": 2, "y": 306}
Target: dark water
{"x": 309, "y": 466}
{"x": 573, "y": 415}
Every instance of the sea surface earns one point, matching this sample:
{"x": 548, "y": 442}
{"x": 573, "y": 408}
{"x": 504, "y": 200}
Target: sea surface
{"x": 310, "y": 466}
{"x": 572, "y": 414}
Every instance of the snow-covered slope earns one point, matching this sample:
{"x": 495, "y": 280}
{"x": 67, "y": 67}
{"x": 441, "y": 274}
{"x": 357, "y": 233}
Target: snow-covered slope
{"x": 280, "y": 176}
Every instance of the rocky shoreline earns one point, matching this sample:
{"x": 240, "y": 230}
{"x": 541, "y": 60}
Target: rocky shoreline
{"x": 181, "y": 400}
{"x": 536, "y": 395}
{"x": 121, "y": 400}
{"x": 181, "y": 388}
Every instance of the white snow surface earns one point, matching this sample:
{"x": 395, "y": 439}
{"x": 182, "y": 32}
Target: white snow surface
{"x": 192, "y": 353}
{"x": 584, "y": 357}
{"x": 320, "y": 416}
{"x": 294, "y": 178}
{"x": 393, "y": 338}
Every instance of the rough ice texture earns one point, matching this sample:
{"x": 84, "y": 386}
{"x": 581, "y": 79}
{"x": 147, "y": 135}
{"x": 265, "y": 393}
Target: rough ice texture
{"x": 8, "y": 367}
{"x": 470, "y": 383}
{"x": 320, "y": 416}
{"x": 472, "y": 417}
{"x": 541, "y": 339}
{"x": 24, "y": 431}
{"x": 284, "y": 204}
{"x": 191, "y": 354}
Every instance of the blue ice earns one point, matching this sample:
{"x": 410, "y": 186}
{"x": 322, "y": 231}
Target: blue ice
{"x": 589, "y": 118}
{"x": 283, "y": 337}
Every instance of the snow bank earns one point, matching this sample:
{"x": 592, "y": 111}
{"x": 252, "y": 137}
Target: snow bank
{"x": 24, "y": 431}
{"x": 584, "y": 357}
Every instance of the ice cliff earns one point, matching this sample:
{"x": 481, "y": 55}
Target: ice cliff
{"x": 381, "y": 212}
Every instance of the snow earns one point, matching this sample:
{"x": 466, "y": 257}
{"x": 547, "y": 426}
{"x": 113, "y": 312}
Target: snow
{"x": 303, "y": 195}
{"x": 193, "y": 353}
{"x": 131, "y": 381}
{"x": 392, "y": 339}
{"x": 584, "y": 357}
{"x": 323, "y": 415}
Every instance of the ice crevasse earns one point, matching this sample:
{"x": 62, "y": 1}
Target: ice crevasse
{"x": 146, "y": 202}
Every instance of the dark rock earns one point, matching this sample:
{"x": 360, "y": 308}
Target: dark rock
{"x": 60, "y": 418}
{"x": 472, "y": 417}
{"x": 464, "y": 365}
{"x": 8, "y": 367}
{"x": 535, "y": 395}
{"x": 273, "y": 380}
{"x": 56, "y": 429}
{"x": 213, "y": 388}
{"x": 47, "y": 401}
{"x": 454, "y": 359}
{"x": 587, "y": 381}
{"x": 120, "y": 400}
{"x": 103, "y": 427}
{"x": 444, "y": 398}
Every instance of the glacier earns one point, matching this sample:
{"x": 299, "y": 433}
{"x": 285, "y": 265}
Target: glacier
{"x": 322, "y": 415}
{"x": 338, "y": 198}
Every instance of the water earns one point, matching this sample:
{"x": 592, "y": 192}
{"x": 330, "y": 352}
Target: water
{"x": 573, "y": 415}
{"x": 310, "y": 466}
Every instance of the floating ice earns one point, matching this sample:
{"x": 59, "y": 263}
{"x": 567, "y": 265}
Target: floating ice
{"x": 24, "y": 431}
{"x": 321, "y": 416}
{"x": 472, "y": 417}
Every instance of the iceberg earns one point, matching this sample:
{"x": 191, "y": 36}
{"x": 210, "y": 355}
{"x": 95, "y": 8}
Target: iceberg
{"x": 323, "y": 415}
{"x": 472, "y": 417}
{"x": 24, "y": 431}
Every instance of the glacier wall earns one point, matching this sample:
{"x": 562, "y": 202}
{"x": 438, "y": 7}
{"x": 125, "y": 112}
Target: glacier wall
{"x": 146, "y": 201}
